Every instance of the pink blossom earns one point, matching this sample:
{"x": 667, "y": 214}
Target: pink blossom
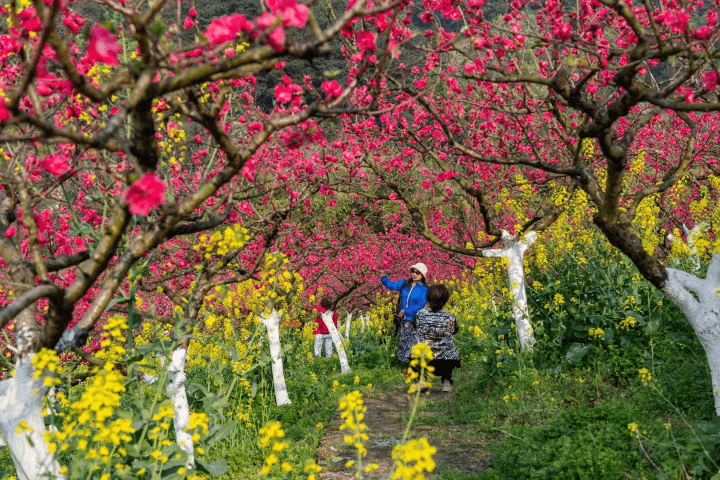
{"x": 366, "y": 40}
{"x": 29, "y": 20}
{"x": 291, "y": 13}
{"x": 710, "y": 80}
{"x": 44, "y": 88}
{"x": 332, "y": 89}
{"x": 4, "y": 112}
{"x": 73, "y": 21}
{"x": 56, "y": 164}
{"x": 703, "y": 32}
{"x": 226, "y": 28}
{"x": 192, "y": 12}
{"x": 188, "y": 23}
{"x": 562, "y": 31}
{"x": 285, "y": 91}
{"x": 254, "y": 128}
{"x": 10, "y": 232}
{"x": 103, "y": 46}
{"x": 276, "y": 38}
{"x": 145, "y": 194}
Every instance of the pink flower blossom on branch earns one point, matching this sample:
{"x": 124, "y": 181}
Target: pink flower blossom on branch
{"x": 103, "y": 46}
{"x": 276, "y": 37}
{"x": 562, "y": 31}
{"x": 710, "y": 80}
{"x": 703, "y": 32}
{"x": 4, "y": 112}
{"x": 291, "y": 13}
{"x": 226, "y": 28}
{"x": 285, "y": 91}
{"x": 145, "y": 194}
{"x": 332, "y": 89}
{"x": 56, "y": 164}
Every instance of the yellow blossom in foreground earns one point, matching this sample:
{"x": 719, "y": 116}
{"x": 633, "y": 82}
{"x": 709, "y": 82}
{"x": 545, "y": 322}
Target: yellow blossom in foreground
{"x": 596, "y": 333}
{"x": 413, "y": 459}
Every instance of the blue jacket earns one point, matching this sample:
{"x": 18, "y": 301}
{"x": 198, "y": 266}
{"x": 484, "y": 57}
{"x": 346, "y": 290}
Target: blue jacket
{"x": 417, "y": 296}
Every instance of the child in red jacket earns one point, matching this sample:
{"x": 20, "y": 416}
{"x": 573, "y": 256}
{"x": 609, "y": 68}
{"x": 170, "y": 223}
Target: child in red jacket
{"x": 322, "y": 335}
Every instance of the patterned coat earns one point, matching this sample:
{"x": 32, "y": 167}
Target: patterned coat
{"x": 437, "y": 330}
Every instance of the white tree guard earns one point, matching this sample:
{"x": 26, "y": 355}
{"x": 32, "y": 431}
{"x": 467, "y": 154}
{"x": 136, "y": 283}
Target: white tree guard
{"x": 514, "y": 251}
{"x": 181, "y": 409}
{"x": 21, "y": 398}
{"x": 178, "y": 397}
{"x": 702, "y": 312}
{"x": 272, "y": 324}
{"x": 348, "y": 322}
{"x": 327, "y": 318}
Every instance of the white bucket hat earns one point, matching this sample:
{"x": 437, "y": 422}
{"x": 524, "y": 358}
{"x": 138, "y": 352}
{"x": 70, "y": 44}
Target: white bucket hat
{"x": 420, "y": 267}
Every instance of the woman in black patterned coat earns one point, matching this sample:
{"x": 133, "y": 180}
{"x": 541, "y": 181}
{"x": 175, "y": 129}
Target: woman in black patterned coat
{"x": 436, "y": 327}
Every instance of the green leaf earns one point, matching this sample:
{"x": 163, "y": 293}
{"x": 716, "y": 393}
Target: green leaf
{"x": 219, "y": 432}
{"x": 609, "y": 335}
{"x": 653, "y": 325}
{"x": 134, "y": 320}
{"x": 216, "y": 467}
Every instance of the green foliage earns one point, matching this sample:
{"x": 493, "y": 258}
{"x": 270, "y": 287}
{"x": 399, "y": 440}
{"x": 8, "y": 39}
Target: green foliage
{"x": 582, "y": 443}
{"x": 578, "y": 407}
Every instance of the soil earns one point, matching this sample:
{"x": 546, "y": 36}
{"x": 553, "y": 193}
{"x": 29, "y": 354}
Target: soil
{"x": 459, "y": 452}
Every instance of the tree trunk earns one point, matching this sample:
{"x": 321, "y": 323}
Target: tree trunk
{"x": 514, "y": 251}
{"x": 271, "y": 324}
{"x": 327, "y": 318}
{"x": 703, "y": 312}
{"x": 21, "y": 398}
{"x": 181, "y": 409}
{"x": 348, "y": 322}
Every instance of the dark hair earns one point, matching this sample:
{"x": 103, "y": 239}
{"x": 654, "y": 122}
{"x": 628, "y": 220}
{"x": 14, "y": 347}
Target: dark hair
{"x": 437, "y": 297}
{"x": 326, "y": 303}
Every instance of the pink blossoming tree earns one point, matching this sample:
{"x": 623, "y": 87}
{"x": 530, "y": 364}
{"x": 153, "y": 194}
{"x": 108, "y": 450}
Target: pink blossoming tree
{"x": 116, "y": 144}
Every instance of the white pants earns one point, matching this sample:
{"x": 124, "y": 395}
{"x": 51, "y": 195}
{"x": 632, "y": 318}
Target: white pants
{"x": 327, "y": 339}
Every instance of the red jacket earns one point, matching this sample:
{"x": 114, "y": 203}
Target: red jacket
{"x": 321, "y": 328}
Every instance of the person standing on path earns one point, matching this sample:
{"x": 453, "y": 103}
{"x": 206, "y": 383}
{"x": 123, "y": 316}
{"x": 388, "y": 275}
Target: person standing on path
{"x": 436, "y": 327}
{"x": 413, "y": 293}
{"x": 322, "y": 334}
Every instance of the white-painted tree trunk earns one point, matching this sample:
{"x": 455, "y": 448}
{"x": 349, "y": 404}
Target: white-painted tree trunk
{"x": 21, "y": 398}
{"x": 348, "y": 322}
{"x": 337, "y": 341}
{"x": 178, "y": 397}
{"x": 181, "y": 409}
{"x": 272, "y": 324}
{"x": 363, "y": 322}
{"x": 702, "y": 312}
{"x": 514, "y": 251}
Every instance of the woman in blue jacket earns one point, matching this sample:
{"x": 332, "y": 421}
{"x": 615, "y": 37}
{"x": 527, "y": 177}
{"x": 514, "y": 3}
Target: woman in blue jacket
{"x": 413, "y": 297}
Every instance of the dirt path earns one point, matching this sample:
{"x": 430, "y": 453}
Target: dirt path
{"x": 458, "y": 452}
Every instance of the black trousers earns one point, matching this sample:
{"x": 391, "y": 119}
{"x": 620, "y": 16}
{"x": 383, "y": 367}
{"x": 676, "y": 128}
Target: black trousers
{"x": 443, "y": 369}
